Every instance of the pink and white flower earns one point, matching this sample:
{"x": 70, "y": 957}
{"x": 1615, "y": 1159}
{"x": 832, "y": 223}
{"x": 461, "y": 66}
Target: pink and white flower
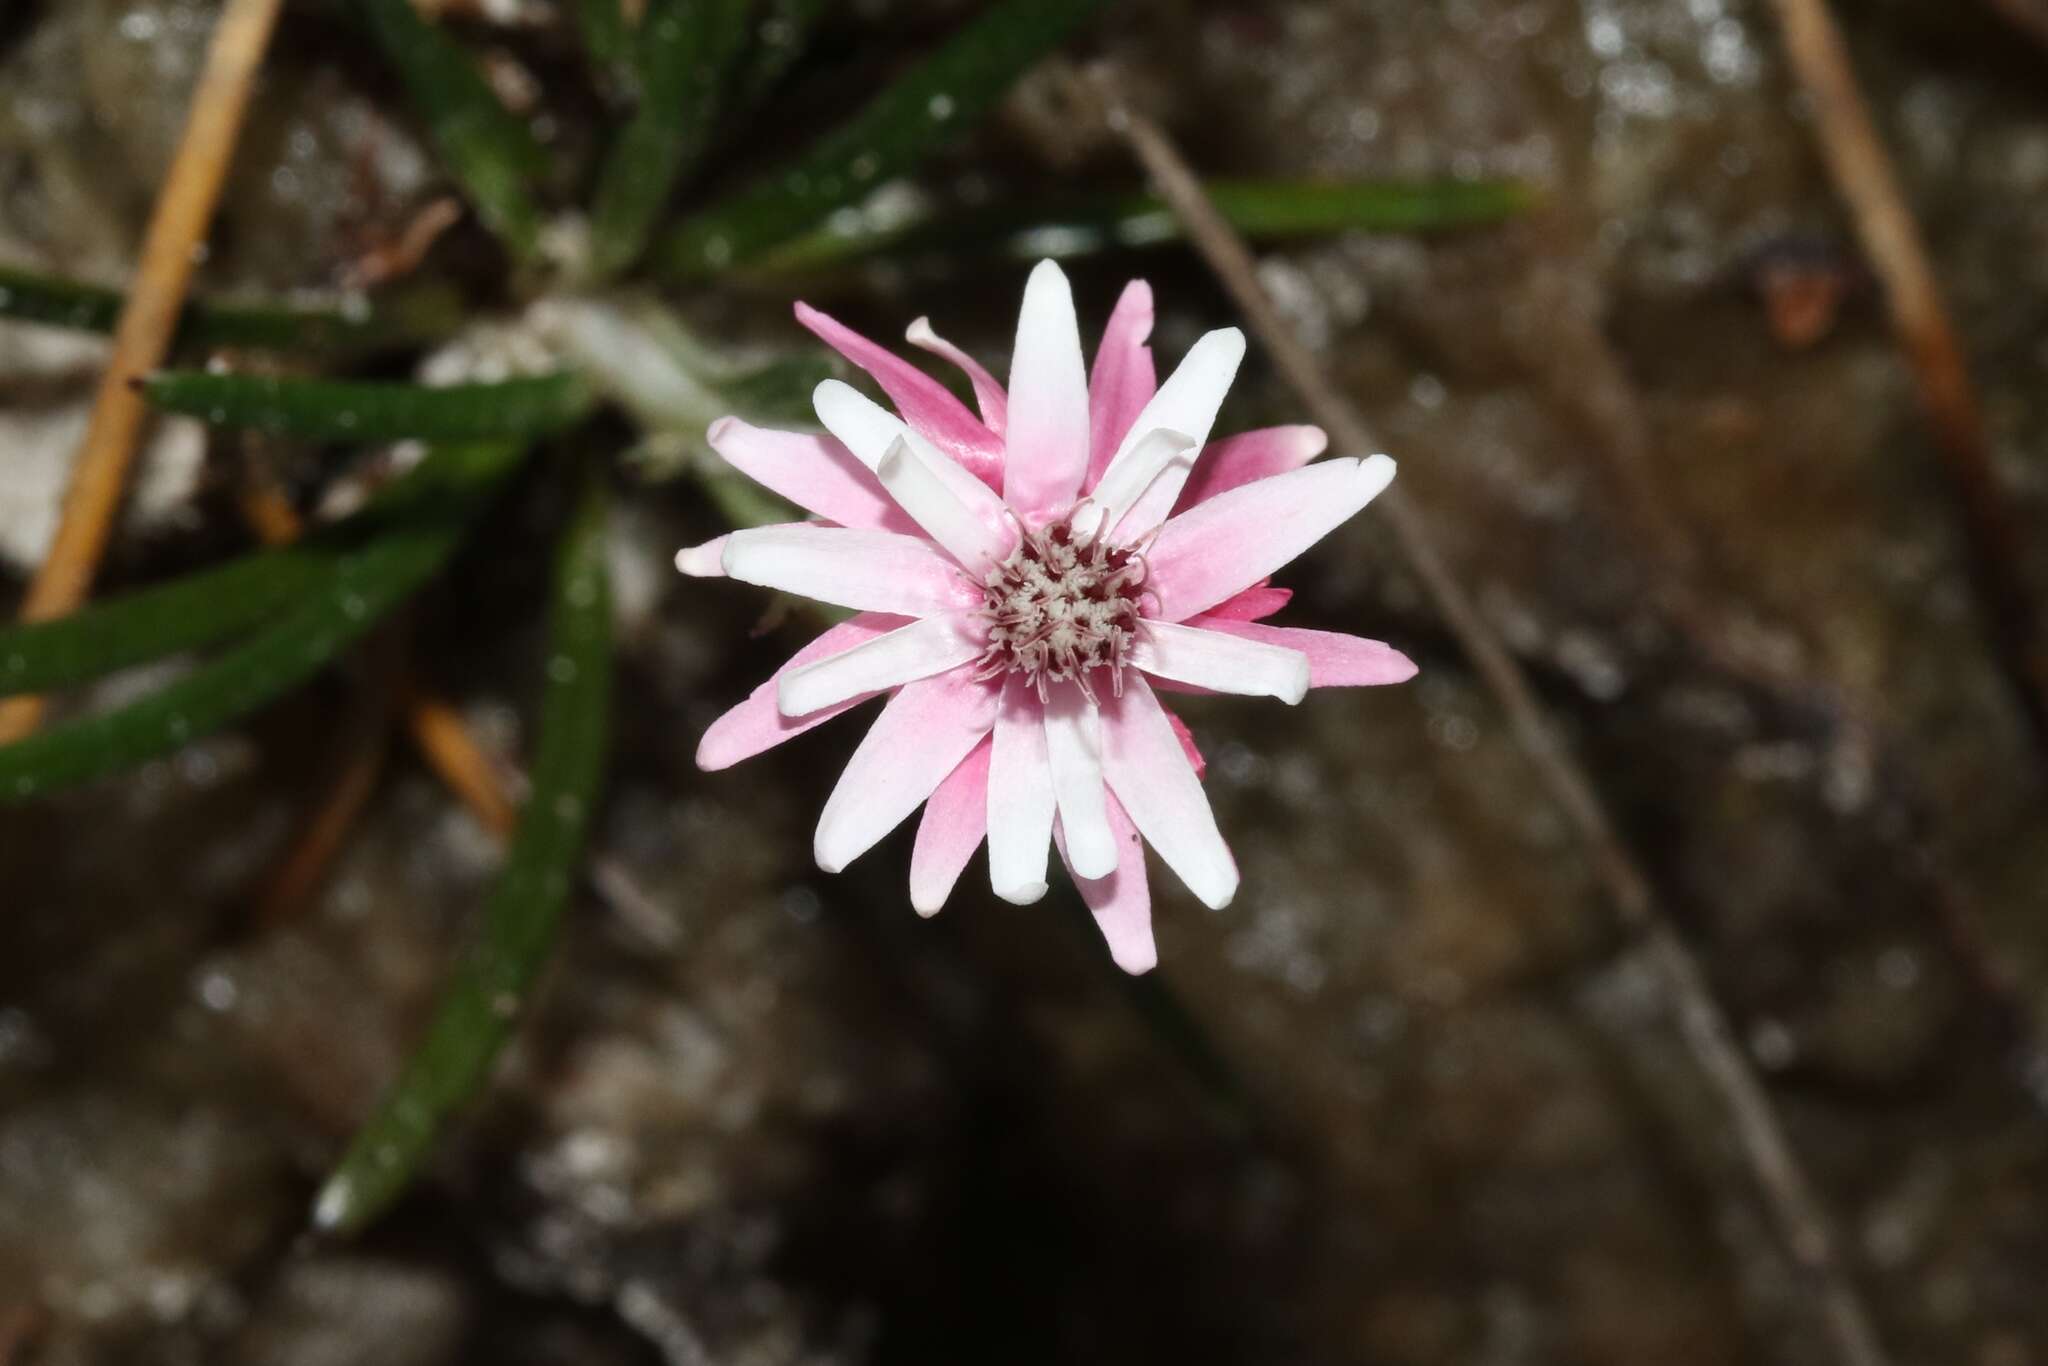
{"x": 1023, "y": 579}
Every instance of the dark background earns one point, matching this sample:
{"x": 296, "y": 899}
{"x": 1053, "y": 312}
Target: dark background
{"x": 1413, "y": 1099}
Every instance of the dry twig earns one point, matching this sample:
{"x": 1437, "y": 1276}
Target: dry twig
{"x": 444, "y": 740}
{"x": 1863, "y": 175}
{"x": 358, "y": 764}
{"x": 185, "y": 206}
{"x": 1786, "y": 1190}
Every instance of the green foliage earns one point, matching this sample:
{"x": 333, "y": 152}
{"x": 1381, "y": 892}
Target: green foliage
{"x": 781, "y": 36}
{"x": 940, "y": 95}
{"x": 686, "y": 48}
{"x": 363, "y": 584}
{"x": 408, "y": 317}
{"x": 609, "y": 42}
{"x": 1268, "y": 210}
{"x": 357, "y": 410}
{"x": 487, "y": 148}
{"x": 186, "y": 614}
{"x": 484, "y": 996}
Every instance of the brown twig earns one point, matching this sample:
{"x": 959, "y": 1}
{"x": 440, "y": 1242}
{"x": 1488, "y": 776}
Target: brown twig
{"x": 1578, "y": 360}
{"x": 183, "y": 209}
{"x": 490, "y": 789}
{"x": 359, "y": 763}
{"x": 1783, "y": 1184}
{"x": 21, "y": 1324}
{"x": 445, "y": 741}
{"x": 1863, "y": 176}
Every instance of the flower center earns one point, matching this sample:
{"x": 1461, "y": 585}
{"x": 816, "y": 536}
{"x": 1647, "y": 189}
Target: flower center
{"x": 1063, "y": 606}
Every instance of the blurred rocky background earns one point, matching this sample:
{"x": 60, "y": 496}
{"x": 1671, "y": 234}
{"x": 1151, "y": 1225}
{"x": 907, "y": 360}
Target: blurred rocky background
{"x": 1413, "y": 1099}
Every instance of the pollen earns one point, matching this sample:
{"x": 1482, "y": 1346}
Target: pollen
{"x": 1064, "y": 605}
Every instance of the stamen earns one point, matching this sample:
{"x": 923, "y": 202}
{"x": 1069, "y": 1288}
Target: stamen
{"x": 1064, "y": 606}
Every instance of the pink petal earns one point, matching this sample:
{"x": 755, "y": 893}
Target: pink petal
{"x": 1214, "y": 549}
{"x": 817, "y": 473}
{"x": 757, "y": 724}
{"x": 1122, "y": 382}
{"x": 953, "y": 525}
{"x": 904, "y": 655}
{"x": 924, "y": 402}
{"x": 1249, "y": 457}
{"x": 954, "y": 825}
{"x": 1020, "y": 797}
{"x": 1150, "y": 774}
{"x": 922, "y": 735}
{"x": 870, "y": 571}
{"x": 1221, "y": 662}
{"x": 1334, "y": 660}
{"x": 1073, "y": 744}
{"x": 989, "y": 395}
{"x": 1187, "y": 744}
{"x": 1122, "y": 903}
{"x": 1187, "y": 402}
{"x": 1256, "y": 603}
{"x": 1047, "y": 441}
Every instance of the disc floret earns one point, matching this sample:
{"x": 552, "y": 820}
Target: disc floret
{"x": 1064, "y": 606}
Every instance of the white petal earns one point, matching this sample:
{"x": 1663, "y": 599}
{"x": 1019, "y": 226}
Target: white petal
{"x": 1150, "y": 774}
{"x": 1154, "y": 455}
{"x": 871, "y": 571}
{"x": 1218, "y": 548}
{"x": 905, "y": 655}
{"x": 1221, "y": 663}
{"x": 1186, "y": 403}
{"x": 1046, "y": 442}
{"x": 921, "y": 736}
{"x": 862, "y": 425}
{"x": 948, "y": 521}
{"x": 1073, "y": 743}
{"x": 868, "y": 429}
{"x": 706, "y": 561}
{"x": 1020, "y": 797}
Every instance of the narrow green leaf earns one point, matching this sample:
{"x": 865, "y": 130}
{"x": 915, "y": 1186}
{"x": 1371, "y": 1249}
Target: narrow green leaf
{"x": 686, "y": 50}
{"x": 779, "y": 40}
{"x": 372, "y": 410}
{"x": 609, "y": 42}
{"x": 209, "y": 605}
{"x": 364, "y": 584}
{"x": 484, "y": 995}
{"x": 942, "y": 94}
{"x": 1267, "y": 210}
{"x": 185, "y": 614}
{"x": 488, "y": 148}
{"x": 416, "y": 314}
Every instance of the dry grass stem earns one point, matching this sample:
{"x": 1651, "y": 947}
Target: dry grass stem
{"x": 291, "y": 885}
{"x": 1863, "y": 175}
{"x": 184, "y": 208}
{"x": 460, "y": 761}
{"x": 1786, "y": 1190}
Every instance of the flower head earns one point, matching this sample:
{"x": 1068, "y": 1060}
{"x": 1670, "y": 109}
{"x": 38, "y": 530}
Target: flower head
{"x": 1023, "y": 581}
